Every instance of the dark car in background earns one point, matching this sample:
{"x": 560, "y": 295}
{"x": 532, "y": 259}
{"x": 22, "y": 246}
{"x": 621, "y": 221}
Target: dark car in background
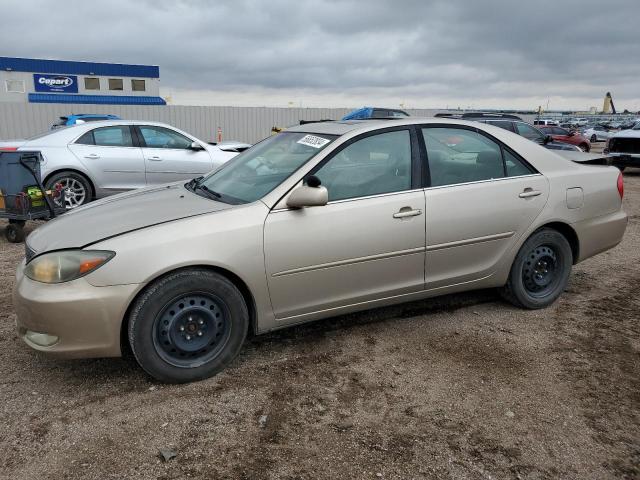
{"x": 515, "y": 124}
{"x": 567, "y": 136}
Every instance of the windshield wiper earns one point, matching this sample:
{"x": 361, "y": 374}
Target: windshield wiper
{"x": 193, "y": 183}
{"x": 208, "y": 191}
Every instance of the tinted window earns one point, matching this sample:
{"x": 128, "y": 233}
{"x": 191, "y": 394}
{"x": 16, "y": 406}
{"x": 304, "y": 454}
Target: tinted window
{"x": 137, "y": 85}
{"x": 116, "y": 84}
{"x": 529, "y": 132}
{"x": 459, "y": 156}
{"x": 371, "y": 166}
{"x": 158, "y": 137}
{"x": 112, "y": 136}
{"x": 501, "y": 124}
{"x": 92, "y": 83}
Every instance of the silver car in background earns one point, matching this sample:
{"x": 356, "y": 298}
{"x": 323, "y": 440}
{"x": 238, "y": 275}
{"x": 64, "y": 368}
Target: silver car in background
{"x": 97, "y": 159}
{"x": 320, "y": 220}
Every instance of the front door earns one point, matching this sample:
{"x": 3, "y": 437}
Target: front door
{"x": 482, "y": 199}
{"x": 367, "y": 243}
{"x": 169, "y": 157}
{"x": 109, "y": 154}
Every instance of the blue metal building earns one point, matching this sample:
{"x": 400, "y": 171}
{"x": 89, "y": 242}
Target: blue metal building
{"x": 59, "y": 81}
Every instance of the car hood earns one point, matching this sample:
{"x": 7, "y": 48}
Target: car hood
{"x": 120, "y": 214}
{"x": 627, "y": 134}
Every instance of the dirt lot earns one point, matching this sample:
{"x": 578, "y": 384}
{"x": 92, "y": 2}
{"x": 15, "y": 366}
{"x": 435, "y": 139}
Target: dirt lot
{"x": 461, "y": 387}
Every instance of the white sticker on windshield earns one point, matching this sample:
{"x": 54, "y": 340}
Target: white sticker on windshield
{"x": 313, "y": 141}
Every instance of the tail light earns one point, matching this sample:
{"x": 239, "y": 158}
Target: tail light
{"x": 8, "y": 149}
{"x": 620, "y": 185}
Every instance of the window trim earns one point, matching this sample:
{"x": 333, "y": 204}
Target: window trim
{"x": 503, "y": 146}
{"x": 6, "y": 86}
{"x": 416, "y": 164}
{"x": 143, "y": 144}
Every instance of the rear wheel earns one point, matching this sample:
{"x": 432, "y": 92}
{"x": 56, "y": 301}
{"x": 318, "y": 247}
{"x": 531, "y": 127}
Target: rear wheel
{"x": 76, "y": 189}
{"x": 188, "y": 326}
{"x": 584, "y": 147}
{"x": 540, "y": 271}
{"x": 14, "y": 232}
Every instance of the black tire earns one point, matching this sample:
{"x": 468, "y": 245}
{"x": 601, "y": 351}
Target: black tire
{"x": 540, "y": 271}
{"x": 188, "y": 326}
{"x": 14, "y": 233}
{"x": 78, "y": 189}
{"x": 584, "y": 147}
{"x": 593, "y": 138}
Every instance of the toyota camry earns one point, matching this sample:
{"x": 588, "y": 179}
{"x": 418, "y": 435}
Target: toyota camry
{"x": 319, "y": 220}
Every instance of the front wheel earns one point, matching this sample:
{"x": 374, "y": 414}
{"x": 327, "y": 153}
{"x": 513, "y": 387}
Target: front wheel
{"x": 584, "y": 147}
{"x": 188, "y": 326}
{"x": 593, "y": 138}
{"x": 540, "y": 271}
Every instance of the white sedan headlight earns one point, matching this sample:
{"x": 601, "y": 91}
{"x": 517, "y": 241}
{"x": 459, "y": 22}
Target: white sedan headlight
{"x": 66, "y": 265}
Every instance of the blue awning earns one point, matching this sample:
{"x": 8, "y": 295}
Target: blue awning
{"x": 95, "y": 99}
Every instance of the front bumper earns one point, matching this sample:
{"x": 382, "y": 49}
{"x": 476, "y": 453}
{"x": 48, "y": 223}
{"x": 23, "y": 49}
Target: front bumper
{"x": 86, "y": 319}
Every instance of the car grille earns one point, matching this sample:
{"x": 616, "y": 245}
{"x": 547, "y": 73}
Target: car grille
{"x": 29, "y": 253}
{"x": 624, "y": 145}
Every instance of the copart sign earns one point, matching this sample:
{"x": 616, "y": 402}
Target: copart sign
{"x": 55, "y": 83}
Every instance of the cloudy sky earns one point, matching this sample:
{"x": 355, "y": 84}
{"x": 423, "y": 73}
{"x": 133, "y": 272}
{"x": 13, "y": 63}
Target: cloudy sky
{"x": 347, "y": 53}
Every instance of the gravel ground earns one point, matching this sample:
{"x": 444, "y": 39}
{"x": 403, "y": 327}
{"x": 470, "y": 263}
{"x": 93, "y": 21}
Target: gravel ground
{"x": 460, "y": 387}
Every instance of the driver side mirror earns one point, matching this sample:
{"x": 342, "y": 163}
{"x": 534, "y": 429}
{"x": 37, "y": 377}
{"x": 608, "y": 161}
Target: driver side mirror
{"x": 547, "y": 139}
{"x": 196, "y": 146}
{"x": 311, "y": 195}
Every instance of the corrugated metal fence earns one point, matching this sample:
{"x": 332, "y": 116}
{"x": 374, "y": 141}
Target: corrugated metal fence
{"x": 248, "y": 124}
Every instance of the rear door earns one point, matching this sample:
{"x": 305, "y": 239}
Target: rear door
{"x": 481, "y": 199}
{"x": 168, "y": 155}
{"x": 111, "y": 157}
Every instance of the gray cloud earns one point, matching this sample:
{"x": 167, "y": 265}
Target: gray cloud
{"x": 488, "y": 53}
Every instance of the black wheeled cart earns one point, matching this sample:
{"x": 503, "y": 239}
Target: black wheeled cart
{"x": 22, "y": 195}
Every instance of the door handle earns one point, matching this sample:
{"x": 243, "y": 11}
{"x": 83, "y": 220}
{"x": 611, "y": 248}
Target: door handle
{"x": 92, "y": 156}
{"x": 529, "y": 192}
{"x": 155, "y": 159}
{"x": 406, "y": 212}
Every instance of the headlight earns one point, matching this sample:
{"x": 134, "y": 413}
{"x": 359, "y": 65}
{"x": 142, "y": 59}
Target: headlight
{"x": 66, "y": 265}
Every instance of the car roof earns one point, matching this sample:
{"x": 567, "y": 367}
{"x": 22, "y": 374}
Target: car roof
{"x": 359, "y": 126}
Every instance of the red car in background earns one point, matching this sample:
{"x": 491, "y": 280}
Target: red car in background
{"x": 563, "y": 135}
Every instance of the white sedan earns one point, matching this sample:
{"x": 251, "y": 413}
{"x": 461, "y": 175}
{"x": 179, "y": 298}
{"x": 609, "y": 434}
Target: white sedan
{"x": 598, "y": 133}
{"x": 98, "y": 159}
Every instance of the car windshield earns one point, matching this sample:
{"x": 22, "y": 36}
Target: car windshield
{"x": 257, "y": 171}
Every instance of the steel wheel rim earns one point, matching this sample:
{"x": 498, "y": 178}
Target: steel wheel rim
{"x": 73, "y": 193}
{"x": 191, "y": 330}
{"x": 540, "y": 271}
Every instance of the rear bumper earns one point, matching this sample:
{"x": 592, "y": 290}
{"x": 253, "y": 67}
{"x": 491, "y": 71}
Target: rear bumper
{"x": 85, "y": 319}
{"x": 601, "y": 233}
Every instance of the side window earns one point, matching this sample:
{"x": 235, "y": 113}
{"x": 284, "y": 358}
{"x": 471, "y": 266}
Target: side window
{"x": 158, "y": 137}
{"x": 119, "y": 136}
{"x": 514, "y": 166}
{"x": 529, "y": 132}
{"x": 86, "y": 139}
{"x": 457, "y": 155}
{"x": 371, "y": 166}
